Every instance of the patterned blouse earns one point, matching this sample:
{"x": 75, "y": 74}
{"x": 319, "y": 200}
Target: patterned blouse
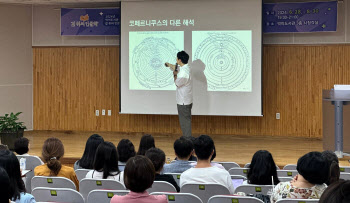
{"x": 285, "y": 190}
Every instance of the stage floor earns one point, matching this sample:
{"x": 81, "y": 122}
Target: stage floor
{"x": 240, "y": 149}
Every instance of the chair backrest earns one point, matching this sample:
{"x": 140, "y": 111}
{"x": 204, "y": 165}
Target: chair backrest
{"x": 179, "y": 197}
{"x": 229, "y": 165}
{"x": 233, "y": 199}
{"x": 31, "y": 163}
{"x": 176, "y": 177}
{"x": 298, "y": 201}
{"x": 161, "y": 186}
{"x": 285, "y": 179}
{"x": 81, "y": 173}
{"x": 345, "y": 176}
{"x": 254, "y": 189}
{"x": 238, "y": 177}
{"x": 205, "y": 191}
{"x": 43, "y": 194}
{"x": 290, "y": 167}
{"x": 287, "y": 173}
{"x": 344, "y": 169}
{"x": 104, "y": 196}
{"x": 88, "y": 184}
{"x": 239, "y": 171}
{"x": 52, "y": 182}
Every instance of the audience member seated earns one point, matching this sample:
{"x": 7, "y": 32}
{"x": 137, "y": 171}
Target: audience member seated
{"x": 22, "y": 147}
{"x": 106, "y": 163}
{"x": 126, "y": 150}
{"x": 211, "y": 161}
{"x": 204, "y": 172}
{"x": 261, "y": 169}
{"x": 337, "y": 192}
{"x": 138, "y": 177}
{"x": 146, "y": 143}
{"x": 157, "y": 156}
{"x": 53, "y": 151}
{"x": 313, "y": 171}
{"x": 87, "y": 160}
{"x": 4, "y": 147}
{"x": 334, "y": 170}
{"x": 4, "y": 186}
{"x": 17, "y": 191}
{"x": 192, "y": 139}
{"x": 183, "y": 151}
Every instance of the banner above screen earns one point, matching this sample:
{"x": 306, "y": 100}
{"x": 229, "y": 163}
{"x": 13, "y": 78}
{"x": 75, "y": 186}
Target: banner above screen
{"x": 300, "y": 17}
{"x": 90, "y": 21}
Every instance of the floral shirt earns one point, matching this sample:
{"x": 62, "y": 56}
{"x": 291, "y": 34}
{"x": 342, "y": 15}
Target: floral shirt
{"x": 285, "y": 190}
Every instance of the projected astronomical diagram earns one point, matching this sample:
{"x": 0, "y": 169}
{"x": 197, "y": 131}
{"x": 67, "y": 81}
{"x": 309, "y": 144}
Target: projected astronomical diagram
{"x": 227, "y": 59}
{"x": 148, "y": 58}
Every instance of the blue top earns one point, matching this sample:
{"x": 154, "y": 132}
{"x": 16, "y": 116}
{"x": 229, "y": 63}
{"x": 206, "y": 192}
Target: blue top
{"x": 177, "y": 166}
{"x": 26, "y": 198}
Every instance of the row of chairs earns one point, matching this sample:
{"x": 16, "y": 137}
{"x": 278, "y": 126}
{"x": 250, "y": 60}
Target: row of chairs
{"x": 104, "y": 196}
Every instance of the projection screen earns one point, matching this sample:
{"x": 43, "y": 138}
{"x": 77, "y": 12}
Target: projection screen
{"x": 223, "y": 39}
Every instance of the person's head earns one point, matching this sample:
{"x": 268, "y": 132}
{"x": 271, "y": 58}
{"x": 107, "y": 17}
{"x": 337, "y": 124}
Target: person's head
{"x": 204, "y": 147}
{"x": 126, "y": 150}
{"x": 313, "y": 167}
{"x": 3, "y": 147}
{"x": 146, "y": 143}
{"x": 214, "y": 155}
{"x": 334, "y": 170}
{"x": 262, "y": 168}
{"x": 139, "y": 174}
{"x": 106, "y": 159}
{"x": 21, "y": 145}
{"x": 182, "y": 57}
{"x": 337, "y": 192}
{"x": 10, "y": 163}
{"x": 53, "y": 151}
{"x": 4, "y": 186}
{"x": 183, "y": 148}
{"x": 87, "y": 160}
{"x": 157, "y": 156}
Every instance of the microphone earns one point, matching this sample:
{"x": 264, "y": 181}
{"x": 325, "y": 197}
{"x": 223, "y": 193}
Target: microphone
{"x": 176, "y": 67}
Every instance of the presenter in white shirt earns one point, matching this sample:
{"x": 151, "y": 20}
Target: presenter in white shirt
{"x": 184, "y": 96}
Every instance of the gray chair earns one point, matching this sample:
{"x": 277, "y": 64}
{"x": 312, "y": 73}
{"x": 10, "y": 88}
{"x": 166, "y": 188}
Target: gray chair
{"x": 52, "y": 182}
{"x": 233, "y": 199}
{"x": 88, "y": 184}
{"x": 180, "y": 197}
{"x": 229, "y": 165}
{"x": 344, "y": 169}
{"x": 290, "y": 167}
{"x": 287, "y": 173}
{"x": 285, "y": 179}
{"x": 104, "y": 196}
{"x": 43, "y": 194}
{"x": 176, "y": 177}
{"x": 81, "y": 173}
{"x": 254, "y": 189}
{"x": 298, "y": 201}
{"x": 345, "y": 176}
{"x": 239, "y": 171}
{"x": 161, "y": 186}
{"x": 238, "y": 177}
{"x": 205, "y": 191}
{"x": 31, "y": 163}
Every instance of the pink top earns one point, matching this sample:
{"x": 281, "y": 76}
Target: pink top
{"x": 134, "y": 197}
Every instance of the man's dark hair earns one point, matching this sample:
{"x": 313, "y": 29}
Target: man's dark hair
{"x": 337, "y": 192}
{"x": 183, "y": 147}
{"x": 203, "y": 147}
{"x": 157, "y": 156}
{"x": 126, "y": 150}
{"x": 313, "y": 167}
{"x": 183, "y": 56}
{"x": 21, "y": 145}
{"x": 3, "y": 147}
{"x": 139, "y": 174}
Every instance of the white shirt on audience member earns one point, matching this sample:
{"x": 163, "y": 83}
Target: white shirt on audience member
{"x": 184, "y": 86}
{"x": 207, "y": 175}
{"x": 99, "y": 175}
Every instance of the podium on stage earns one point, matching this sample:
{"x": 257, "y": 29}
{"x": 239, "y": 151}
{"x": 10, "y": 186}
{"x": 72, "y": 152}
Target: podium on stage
{"x": 336, "y": 121}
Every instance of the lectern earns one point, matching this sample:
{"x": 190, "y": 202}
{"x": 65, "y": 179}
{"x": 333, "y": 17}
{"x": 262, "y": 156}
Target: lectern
{"x": 336, "y": 121}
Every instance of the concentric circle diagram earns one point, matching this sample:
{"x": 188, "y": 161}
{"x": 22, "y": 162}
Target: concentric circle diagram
{"x": 227, "y": 61}
{"x": 148, "y": 60}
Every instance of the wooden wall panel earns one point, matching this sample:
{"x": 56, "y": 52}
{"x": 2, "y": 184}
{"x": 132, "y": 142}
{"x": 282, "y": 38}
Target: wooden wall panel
{"x": 71, "y": 82}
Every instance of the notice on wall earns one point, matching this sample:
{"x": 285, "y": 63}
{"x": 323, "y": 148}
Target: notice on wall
{"x": 300, "y": 17}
